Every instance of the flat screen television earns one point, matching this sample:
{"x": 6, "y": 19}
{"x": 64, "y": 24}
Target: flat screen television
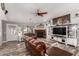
{"x": 59, "y": 30}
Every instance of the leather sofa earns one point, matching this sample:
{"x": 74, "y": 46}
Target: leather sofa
{"x": 29, "y": 34}
{"x": 35, "y": 46}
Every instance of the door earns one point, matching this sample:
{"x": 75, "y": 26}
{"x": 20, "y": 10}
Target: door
{"x": 11, "y": 32}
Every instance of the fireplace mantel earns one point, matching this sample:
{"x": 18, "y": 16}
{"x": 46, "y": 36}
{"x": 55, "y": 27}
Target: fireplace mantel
{"x": 40, "y": 29}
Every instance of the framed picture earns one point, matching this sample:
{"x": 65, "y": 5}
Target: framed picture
{"x": 61, "y": 20}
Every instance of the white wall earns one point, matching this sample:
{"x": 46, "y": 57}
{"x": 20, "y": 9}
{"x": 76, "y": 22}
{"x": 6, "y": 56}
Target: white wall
{"x": 2, "y": 17}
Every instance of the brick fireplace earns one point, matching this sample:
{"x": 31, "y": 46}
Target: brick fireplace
{"x": 40, "y": 31}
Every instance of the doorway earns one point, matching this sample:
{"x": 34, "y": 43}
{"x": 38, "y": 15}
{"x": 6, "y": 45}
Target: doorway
{"x": 11, "y": 32}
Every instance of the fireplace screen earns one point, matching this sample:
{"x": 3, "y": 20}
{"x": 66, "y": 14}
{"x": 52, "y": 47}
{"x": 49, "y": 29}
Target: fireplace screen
{"x": 40, "y": 33}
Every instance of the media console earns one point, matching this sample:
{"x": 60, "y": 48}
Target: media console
{"x": 65, "y": 34}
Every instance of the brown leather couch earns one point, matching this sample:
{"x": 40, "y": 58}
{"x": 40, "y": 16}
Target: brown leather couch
{"x": 29, "y": 34}
{"x": 35, "y": 46}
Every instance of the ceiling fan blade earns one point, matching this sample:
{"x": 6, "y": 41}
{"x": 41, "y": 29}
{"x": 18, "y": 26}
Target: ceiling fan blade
{"x": 39, "y": 13}
{"x": 43, "y": 13}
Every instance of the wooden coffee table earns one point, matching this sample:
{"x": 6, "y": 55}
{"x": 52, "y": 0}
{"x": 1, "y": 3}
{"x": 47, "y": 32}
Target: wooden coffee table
{"x": 55, "y": 51}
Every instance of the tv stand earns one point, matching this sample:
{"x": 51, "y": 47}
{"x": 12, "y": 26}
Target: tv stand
{"x": 71, "y": 34}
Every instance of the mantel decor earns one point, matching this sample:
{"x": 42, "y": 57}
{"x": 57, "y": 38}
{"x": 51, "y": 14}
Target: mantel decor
{"x": 40, "y": 26}
{"x": 62, "y": 20}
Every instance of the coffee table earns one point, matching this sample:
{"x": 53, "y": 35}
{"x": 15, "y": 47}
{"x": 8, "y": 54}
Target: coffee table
{"x": 55, "y": 51}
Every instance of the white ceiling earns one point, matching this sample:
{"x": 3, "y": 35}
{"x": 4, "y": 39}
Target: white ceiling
{"x": 24, "y": 12}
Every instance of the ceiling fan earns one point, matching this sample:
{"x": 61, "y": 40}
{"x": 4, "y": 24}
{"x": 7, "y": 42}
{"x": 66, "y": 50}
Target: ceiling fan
{"x": 39, "y": 13}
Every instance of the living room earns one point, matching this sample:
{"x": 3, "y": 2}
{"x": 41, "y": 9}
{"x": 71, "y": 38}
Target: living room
{"x": 33, "y": 29}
